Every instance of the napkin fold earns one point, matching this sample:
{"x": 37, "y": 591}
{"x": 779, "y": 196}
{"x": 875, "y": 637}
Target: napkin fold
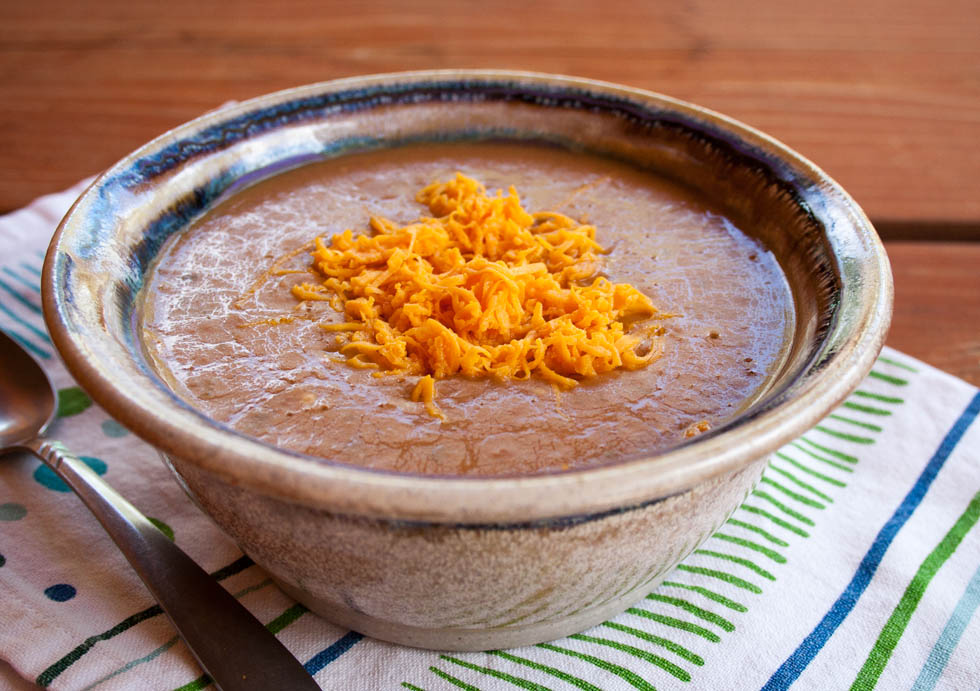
{"x": 855, "y": 563}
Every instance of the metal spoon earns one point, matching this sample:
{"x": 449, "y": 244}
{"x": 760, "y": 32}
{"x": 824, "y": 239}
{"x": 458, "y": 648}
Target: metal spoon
{"x": 233, "y": 647}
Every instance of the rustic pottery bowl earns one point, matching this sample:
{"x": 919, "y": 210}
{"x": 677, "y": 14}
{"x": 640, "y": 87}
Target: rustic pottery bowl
{"x": 466, "y": 563}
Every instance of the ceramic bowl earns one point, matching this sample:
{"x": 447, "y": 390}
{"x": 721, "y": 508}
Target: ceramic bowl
{"x": 466, "y": 563}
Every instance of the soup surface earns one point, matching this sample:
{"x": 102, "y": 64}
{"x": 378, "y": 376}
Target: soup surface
{"x": 213, "y": 318}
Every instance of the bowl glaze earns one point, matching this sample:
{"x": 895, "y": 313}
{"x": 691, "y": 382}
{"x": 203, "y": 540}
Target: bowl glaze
{"x": 466, "y": 563}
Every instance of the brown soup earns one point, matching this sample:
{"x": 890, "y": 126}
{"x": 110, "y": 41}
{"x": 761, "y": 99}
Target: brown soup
{"x": 208, "y": 316}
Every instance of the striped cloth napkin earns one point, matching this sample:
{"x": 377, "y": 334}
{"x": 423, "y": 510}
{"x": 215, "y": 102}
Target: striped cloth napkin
{"x": 854, "y": 563}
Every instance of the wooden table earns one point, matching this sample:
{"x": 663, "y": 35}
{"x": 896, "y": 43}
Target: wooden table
{"x": 883, "y": 95}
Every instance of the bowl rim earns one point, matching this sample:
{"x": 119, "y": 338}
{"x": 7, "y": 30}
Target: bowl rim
{"x": 484, "y": 501}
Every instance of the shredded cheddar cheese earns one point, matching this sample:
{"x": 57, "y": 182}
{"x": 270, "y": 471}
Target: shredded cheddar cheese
{"x": 696, "y": 428}
{"x": 482, "y": 288}
{"x": 425, "y": 391}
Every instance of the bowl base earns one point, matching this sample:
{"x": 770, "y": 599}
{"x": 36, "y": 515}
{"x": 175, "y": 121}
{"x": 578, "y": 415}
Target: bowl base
{"x": 467, "y": 639}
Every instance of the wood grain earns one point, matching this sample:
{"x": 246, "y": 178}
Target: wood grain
{"x": 884, "y": 95}
{"x": 937, "y": 304}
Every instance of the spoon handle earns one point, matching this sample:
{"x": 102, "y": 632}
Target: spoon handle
{"x": 232, "y": 646}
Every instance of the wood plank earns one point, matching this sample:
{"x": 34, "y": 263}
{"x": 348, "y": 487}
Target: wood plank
{"x": 937, "y": 305}
{"x": 885, "y": 96}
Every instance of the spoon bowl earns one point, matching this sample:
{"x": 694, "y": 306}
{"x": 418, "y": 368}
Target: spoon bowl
{"x": 27, "y": 401}
{"x": 231, "y": 645}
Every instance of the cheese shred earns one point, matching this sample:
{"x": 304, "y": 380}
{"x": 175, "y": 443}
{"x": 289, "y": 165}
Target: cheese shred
{"x": 482, "y": 288}
{"x": 425, "y": 392}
